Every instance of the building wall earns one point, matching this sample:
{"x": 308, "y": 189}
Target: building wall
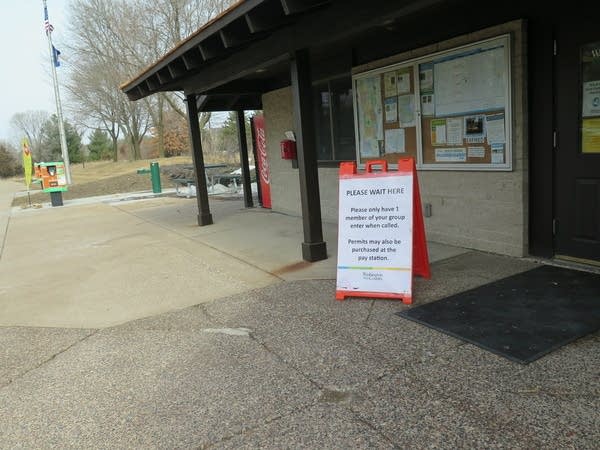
{"x": 285, "y": 188}
{"x": 486, "y": 211}
{"x": 285, "y": 184}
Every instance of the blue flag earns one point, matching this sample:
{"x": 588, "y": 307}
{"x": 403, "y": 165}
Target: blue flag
{"x": 55, "y": 55}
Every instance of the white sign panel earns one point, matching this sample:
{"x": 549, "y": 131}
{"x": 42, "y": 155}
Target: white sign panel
{"x": 375, "y": 233}
{"x": 472, "y": 81}
{"x": 591, "y": 99}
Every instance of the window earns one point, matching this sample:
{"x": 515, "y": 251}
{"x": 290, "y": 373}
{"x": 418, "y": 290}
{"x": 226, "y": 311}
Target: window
{"x": 334, "y": 120}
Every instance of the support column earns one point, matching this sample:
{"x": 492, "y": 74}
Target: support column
{"x": 313, "y": 247}
{"x": 241, "y": 126}
{"x": 204, "y": 215}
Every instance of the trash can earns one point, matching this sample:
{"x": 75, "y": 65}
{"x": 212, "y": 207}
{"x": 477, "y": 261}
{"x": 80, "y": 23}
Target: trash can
{"x": 56, "y": 198}
{"x": 155, "y": 176}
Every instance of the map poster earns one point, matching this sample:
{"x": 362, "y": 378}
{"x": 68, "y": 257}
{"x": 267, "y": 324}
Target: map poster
{"x": 370, "y": 117}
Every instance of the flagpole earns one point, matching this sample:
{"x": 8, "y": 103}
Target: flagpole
{"x": 61, "y": 126}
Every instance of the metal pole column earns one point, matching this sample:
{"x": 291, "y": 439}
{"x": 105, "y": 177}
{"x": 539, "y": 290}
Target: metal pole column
{"x": 61, "y": 126}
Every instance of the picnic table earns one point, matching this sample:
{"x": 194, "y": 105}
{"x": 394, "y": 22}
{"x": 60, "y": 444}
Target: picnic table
{"x": 183, "y": 184}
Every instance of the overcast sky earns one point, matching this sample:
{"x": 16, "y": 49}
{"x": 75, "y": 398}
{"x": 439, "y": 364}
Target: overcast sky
{"x": 25, "y": 72}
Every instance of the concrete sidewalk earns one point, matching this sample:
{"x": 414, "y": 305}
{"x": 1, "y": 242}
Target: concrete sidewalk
{"x": 125, "y": 325}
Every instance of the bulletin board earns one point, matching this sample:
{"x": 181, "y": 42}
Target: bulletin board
{"x": 388, "y": 121}
{"x": 448, "y": 110}
{"x": 590, "y": 98}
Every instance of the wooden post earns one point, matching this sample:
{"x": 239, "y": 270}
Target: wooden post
{"x": 313, "y": 247}
{"x": 241, "y": 126}
{"x": 204, "y": 215}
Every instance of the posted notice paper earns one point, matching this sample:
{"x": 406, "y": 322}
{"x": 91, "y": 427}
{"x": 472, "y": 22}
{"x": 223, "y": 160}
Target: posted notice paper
{"x": 375, "y": 234}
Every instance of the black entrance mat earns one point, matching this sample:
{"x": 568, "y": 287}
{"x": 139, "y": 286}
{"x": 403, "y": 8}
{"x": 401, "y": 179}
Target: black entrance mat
{"x": 522, "y": 317}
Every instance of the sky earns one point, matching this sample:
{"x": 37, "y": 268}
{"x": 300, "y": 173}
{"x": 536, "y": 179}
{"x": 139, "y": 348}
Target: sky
{"x": 25, "y": 72}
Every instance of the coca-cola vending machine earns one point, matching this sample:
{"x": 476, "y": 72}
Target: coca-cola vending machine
{"x": 262, "y": 162}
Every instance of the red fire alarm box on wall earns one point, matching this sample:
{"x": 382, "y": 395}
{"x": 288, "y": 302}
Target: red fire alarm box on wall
{"x": 288, "y": 149}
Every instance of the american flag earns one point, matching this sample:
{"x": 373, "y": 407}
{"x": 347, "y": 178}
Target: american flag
{"x": 47, "y": 25}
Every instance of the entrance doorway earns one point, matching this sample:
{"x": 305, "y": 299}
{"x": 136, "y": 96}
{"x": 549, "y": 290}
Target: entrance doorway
{"x": 577, "y": 162}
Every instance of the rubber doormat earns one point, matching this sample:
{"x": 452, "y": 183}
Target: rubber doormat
{"x": 522, "y": 317}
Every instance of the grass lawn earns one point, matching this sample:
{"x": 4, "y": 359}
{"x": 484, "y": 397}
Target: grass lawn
{"x": 104, "y": 178}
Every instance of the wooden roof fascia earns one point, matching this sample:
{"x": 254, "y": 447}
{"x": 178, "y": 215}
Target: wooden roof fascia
{"x": 151, "y": 84}
{"x": 231, "y": 29}
{"x": 212, "y": 77}
{"x": 236, "y": 34}
{"x": 192, "y": 59}
{"x": 212, "y": 27}
{"x": 140, "y": 91}
{"x": 297, "y": 6}
{"x": 240, "y": 86}
{"x": 266, "y": 17}
{"x": 164, "y": 76}
{"x": 330, "y": 26}
{"x": 211, "y": 48}
{"x": 231, "y": 102}
{"x": 201, "y": 101}
{"x": 177, "y": 68}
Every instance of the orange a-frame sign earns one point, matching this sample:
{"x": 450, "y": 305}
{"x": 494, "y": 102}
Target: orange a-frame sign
{"x": 381, "y": 233}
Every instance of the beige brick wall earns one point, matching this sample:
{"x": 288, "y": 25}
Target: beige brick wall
{"x": 285, "y": 188}
{"x": 481, "y": 210}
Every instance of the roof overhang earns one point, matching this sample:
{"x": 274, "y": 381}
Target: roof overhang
{"x": 245, "y": 52}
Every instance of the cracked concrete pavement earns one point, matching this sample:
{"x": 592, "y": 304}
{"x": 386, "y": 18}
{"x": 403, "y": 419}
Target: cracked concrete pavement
{"x": 102, "y": 347}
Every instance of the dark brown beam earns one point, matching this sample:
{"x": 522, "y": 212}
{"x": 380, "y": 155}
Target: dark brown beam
{"x": 268, "y": 16}
{"x": 313, "y": 247}
{"x": 164, "y": 76}
{"x": 211, "y": 48}
{"x": 238, "y": 13}
{"x": 256, "y": 165}
{"x": 241, "y": 86}
{"x": 298, "y": 6}
{"x": 212, "y": 77}
{"x": 152, "y": 84}
{"x": 192, "y": 42}
{"x": 236, "y": 34}
{"x": 231, "y": 102}
{"x": 253, "y": 104}
{"x": 141, "y": 91}
{"x": 177, "y": 68}
{"x": 201, "y": 102}
{"x": 204, "y": 215}
{"x": 192, "y": 59}
{"x": 241, "y": 127}
{"x": 332, "y": 25}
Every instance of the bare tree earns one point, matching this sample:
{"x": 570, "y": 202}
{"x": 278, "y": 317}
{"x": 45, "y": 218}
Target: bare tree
{"x": 97, "y": 100}
{"x": 30, "y": 125}
{"x": 135, "y": 125}
{"x": 112, "y": 42}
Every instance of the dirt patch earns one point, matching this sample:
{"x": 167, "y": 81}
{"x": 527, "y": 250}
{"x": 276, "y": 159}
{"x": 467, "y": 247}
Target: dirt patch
{"x": 111, "y": 185}
{"x": 107, "y": 177}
